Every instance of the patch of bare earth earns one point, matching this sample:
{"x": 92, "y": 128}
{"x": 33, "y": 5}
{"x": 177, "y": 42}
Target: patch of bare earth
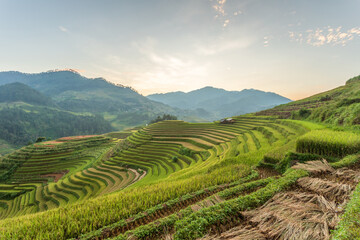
{"x": 76, "y": 137}
{"x": 309, "y": 211}
{"x": 265, "y": 172}
{"x": 55, "y": 176}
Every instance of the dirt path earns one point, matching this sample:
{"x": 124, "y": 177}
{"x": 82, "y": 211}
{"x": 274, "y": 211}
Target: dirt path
{"x": 308, "y": 211}
{"x": 138, "y": 176}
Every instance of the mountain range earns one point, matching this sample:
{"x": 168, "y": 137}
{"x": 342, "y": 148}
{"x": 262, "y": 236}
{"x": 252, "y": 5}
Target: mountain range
{"x": 120, "y": 105}
{"x": 217, "y": 103}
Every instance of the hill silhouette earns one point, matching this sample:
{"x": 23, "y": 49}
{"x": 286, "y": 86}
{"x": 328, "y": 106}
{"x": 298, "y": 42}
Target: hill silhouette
{"x": 120, "y": 105}
{"x": 221, "y": 103}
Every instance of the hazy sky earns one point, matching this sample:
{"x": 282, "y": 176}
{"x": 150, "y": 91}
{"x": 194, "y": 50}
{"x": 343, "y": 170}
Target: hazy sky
{"x": 293, "y": 47}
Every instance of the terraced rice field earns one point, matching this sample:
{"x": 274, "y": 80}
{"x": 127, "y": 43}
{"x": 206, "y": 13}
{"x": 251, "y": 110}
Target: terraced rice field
{"x": 177, "y": 180}
{"x": 61, "y": 172}
{"x": 165, "y": 154}
{"x": 309, "y": 210}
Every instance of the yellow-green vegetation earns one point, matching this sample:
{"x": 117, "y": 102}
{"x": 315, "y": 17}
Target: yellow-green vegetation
{"x": 197, "y": 224}
{"x": 329, "y": 143}
{"x": 57, "y": 173}
{"x": 171, "y": 176}
{"x": 348, "y": 227}
{"x": 174, "y": 158}
{"x": 340, "y": 106}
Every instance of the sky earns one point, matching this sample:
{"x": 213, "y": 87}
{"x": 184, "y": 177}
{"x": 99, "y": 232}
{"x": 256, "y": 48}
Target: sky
{"x": 291, "y": 47}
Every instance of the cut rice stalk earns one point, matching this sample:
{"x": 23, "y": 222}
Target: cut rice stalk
{"x": 315, "y": 167}
{"x": 330, "y": 190}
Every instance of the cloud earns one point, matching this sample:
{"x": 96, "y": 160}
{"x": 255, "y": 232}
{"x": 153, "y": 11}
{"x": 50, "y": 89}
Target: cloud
{"x": 222, "y": 45}
{"x": 63, "y": 29}
{"x": 267, "y": 41}
{"x": 161, "y": 70}
{"x": 219, "y": 7}
{"x": 325, "y": 36}
{"x": 237, "y": 13}
{"x": 226, "y": 22}
{"x": 221, "y": 14}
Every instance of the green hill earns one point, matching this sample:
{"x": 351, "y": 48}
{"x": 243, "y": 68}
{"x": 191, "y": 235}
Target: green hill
{"x": 18, "y": 92}
{"x": 21, "y": 123}
{"x": 256, "y": 177}
{"x": 340, "y": 106}
{"x": 120, "y": 105}
{"x": 27, "y": 114}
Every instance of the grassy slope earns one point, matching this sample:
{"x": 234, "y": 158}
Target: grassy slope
{"x": 340, "y": 106}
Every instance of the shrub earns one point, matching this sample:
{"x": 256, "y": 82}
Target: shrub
{"x": 163, "y": 118}
{"x": 304, "y": 113}
{"x": 353, "y": 80}
{"x": 325, "y": 98}
{"x": 301, "y": 114}
{"x": 186, "y": 152}
{"x": 348, "y": 101}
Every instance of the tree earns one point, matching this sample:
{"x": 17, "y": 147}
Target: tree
{"x": 164, "y": 117}
{"x": 40, "y": 139}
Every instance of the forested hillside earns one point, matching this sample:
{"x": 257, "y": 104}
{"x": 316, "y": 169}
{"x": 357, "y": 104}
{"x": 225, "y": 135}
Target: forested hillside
{"x": 21, "y": 125}
{"x": 120, "y": 105}
{"x": 27, "y": 114}
{"x": 18, "y": 92}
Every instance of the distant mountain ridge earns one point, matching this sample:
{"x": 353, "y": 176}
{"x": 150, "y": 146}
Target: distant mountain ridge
{"x": 221, "y": 103}
{"x": 120, "y": 105}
